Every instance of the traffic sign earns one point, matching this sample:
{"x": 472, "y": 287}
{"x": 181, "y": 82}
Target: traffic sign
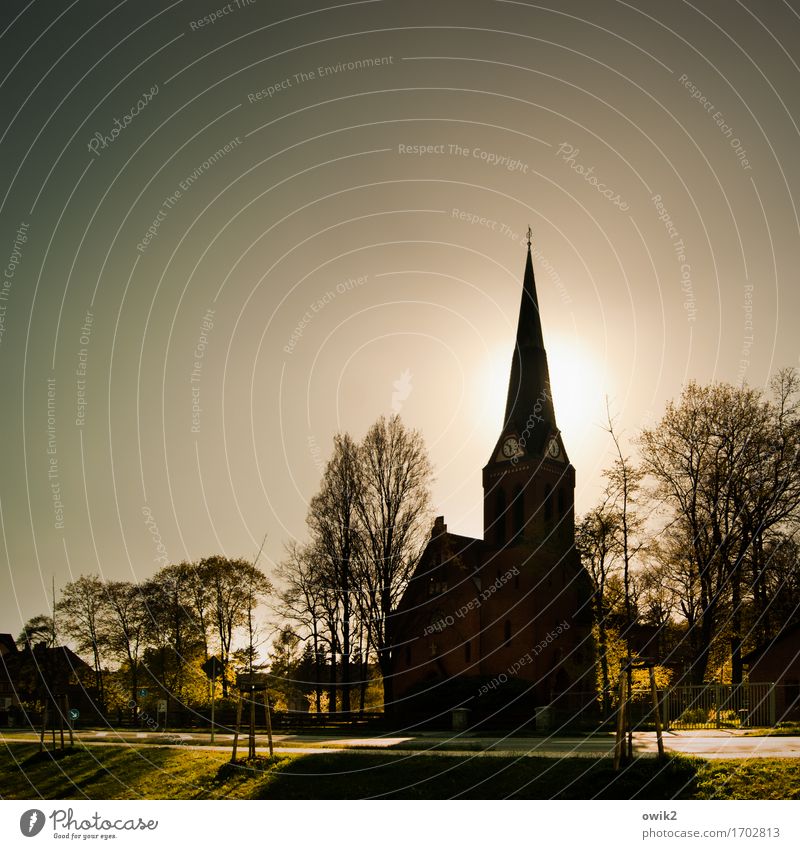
{"x": 162, "y": 706}
{"x": 74, "y": 714}
{"x": 143, "y": 691}
{"x": 213, "y": 667}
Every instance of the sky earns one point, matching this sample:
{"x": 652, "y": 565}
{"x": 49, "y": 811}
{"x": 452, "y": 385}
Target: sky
{"x": 229, "y": 232}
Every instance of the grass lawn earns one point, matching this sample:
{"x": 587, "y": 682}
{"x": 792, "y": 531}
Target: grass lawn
{"x": 119, "y": 772}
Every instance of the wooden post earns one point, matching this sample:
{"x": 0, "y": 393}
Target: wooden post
{"x": 59, "y": 707}
{"x": 213, "y": 694}
{"x": 251, "y": 747}
{"x": 619, "y": 742}
{"x": 269, "y": 722}
{"x": 656, "y": 713}
{"x": 69, "y": 720}
{"x": 236, "y": 729}
{"x": 44, "y": 727}
{"x": 771, "y": 705}
{"x": 628, "y": 706}
{"x": 53, "y": 725}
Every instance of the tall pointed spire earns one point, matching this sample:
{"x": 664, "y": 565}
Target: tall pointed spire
{"x": 530, "y": 404}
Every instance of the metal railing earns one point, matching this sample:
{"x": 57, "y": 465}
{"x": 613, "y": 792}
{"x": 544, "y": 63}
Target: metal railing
{"x": 708, "y": 706}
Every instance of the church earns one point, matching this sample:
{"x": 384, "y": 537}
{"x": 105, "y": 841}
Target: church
{"x": 501, "y": 626}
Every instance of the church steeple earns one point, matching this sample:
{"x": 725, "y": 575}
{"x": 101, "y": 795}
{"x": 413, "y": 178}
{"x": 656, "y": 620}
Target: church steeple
{"x": 529, "y": 483}
{"x": 529, "y": 405}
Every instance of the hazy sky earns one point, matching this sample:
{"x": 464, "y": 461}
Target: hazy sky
{"x": 224, "y": 239}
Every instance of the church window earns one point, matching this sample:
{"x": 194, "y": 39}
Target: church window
{"x": 434, "y": 646}
{"x": 548, "y": 502}
{"x": 519, "y": 511}
{"x": 562, "y": 501}
{"x": 507, "y": 633}
{"x": 500, "y": 518}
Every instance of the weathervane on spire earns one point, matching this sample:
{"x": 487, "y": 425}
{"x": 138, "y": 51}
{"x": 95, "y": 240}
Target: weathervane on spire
{"x": 529, "y": 234}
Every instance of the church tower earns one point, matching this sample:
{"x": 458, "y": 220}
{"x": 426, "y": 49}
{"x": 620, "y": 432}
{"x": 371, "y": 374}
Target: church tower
{"x": 529, "y": 483}
{"x": 514, "y": 606}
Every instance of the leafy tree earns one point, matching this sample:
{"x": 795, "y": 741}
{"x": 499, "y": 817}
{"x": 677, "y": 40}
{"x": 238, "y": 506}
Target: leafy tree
{"x": 174, "y": 629}
{"x": 80, "y": 608}
{"x": 724, "y": 462}
{"x": 39, "y": 629}
{"x": 236, "y": 587}
{"x": 126, "y": 620}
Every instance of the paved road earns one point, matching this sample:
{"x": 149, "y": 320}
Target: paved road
{"x": 705, "y": 744}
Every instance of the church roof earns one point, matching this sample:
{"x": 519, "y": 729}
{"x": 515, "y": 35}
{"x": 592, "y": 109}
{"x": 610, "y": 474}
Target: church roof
{"x": 530, "y": 402}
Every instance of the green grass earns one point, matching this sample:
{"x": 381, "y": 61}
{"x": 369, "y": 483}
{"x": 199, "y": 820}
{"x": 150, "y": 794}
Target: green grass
{"x": 757, "y": 778}
{"x": 122, "y": 772}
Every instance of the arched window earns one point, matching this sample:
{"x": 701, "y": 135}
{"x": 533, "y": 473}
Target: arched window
{"x": 507, "y": 633}
{"x": 548, "y": 502}
{"x": 500, "y": 517}
{"x": 562, "y": 501}
{"x": 519, "y": 511}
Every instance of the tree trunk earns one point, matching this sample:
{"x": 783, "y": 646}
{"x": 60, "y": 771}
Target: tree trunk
{"x": 385, "y": 662}
{"x": 317, "y": 673}
{"x": 602, "y": 642}
{"x": 737, "y": 667}
{"x": 332, "y": 686}
{"x": 346, "y": 655}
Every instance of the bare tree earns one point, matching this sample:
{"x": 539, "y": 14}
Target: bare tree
{"x": 300, "y": 602}
{"x": 597, "y": 538}
{"x": 393, "y": 506}
{"x": 333, "y": 522}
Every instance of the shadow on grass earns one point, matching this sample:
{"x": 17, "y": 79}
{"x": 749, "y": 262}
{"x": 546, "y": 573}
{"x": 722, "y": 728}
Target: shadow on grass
{"x": 49, "y": 755}
{"x": 349, "y": 776}
{"x": 247, "y": 768}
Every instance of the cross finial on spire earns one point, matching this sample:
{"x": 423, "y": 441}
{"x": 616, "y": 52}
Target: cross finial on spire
{"x": 529, "y": 234}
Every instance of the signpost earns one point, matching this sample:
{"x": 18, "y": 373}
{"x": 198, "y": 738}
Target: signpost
{"x": 213, "y": 668}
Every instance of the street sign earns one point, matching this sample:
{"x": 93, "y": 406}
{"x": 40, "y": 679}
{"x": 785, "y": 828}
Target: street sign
{"x": 143, "y": 691}
{"x": 256, "y": 681}
{"x": 213, "y": 667}
{"x": 74, "y": 714}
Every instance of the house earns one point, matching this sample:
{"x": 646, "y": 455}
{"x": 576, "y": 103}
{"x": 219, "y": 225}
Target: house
{"x": 778, "y": 662}
{"x": 40, "y": 674}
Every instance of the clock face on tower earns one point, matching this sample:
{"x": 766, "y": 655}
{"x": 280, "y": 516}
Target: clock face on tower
{"x": 510, "y": 447}
{"x": 553, "y": 449}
